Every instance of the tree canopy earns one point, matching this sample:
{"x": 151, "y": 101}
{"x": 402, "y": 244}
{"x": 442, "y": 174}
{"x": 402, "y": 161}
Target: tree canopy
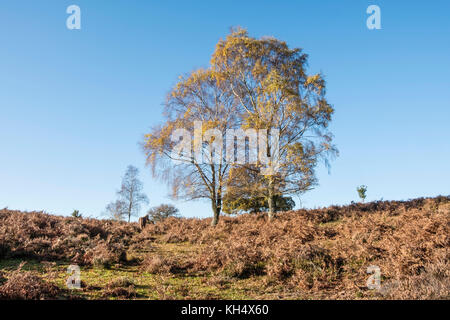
{"x": 162, "y": 212}
{"x": 257, "y": 86}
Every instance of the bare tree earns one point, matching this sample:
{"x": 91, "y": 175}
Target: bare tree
{"x": 197, "y": 98}
{"x": 116, "y": 210}
{"x": 130, "y": 193}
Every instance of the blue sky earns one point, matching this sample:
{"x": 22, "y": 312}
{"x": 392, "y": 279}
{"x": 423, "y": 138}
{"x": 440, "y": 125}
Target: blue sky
{"x": 75, "y": 103}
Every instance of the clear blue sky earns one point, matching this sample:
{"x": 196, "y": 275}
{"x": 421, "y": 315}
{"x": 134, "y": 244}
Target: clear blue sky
{"x": 75, "y": 104}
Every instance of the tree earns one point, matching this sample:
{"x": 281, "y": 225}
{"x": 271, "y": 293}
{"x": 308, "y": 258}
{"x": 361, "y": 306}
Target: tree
{"x": 162, "y": 212}
{"x": 269, "y": 82}
{"x": 76, "y": 214}
{"x": 253, "y": 85}
{"x": 130, "y": 192}
{"x": 130, "y": 197}
{"x": 244, "y": 194}
{"x": 362, "y": 192}
{"x": 256, "y": 204}
{"x": 116, "y": 210}
{"x": 199, "y": 169}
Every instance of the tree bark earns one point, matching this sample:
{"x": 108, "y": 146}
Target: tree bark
{"x": 271, "y": 201}
{"x": 130, "y": 207}
{"x": 216, "y": 200}
{"x": 216, "y": 214}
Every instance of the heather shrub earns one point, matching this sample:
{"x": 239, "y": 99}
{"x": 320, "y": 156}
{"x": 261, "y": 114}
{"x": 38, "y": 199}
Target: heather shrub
{"x": 120, "y": 282}
{"x": 244, "y": 247}
{"x": 176, "y": 230}
{"x": 122, "y": 293}
{"x": 233, "y": 259}
{"x": 173, "y": 237}
{"x": 105, "y": 254}
{"x": 41, "y": 236}
{"x": 158, "y": 264}
{"x": 432, "y": 283}
{"x": 316, "y": 267}
{"x": 122, "y": 288}
{"x": 26, "y": 285}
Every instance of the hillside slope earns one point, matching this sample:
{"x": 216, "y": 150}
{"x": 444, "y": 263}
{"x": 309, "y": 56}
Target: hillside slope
{"x": 303, "y": 254}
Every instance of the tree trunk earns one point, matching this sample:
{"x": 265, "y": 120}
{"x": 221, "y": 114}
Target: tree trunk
{"x": 216, "y": 201}
{"x": 216, "y": 213}
{"x": 271, "y": 212}
{"x": 271, "y": 200}
{"x": 129, "y": 211}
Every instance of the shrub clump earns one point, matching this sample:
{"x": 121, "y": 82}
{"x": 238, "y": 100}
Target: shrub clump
{"x": 26, "y": 285}
{"x": 158, "y": 264}
{"x": 37, "y": 235}
{"x": 122, "y": 288}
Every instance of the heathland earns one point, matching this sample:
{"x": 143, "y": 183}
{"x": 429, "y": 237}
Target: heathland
{"x": 302, "y": 254}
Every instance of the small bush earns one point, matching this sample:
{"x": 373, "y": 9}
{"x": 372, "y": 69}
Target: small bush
{"x": 37, "y": 235}
{"x": 157, "y": 264}
{"x": 120, "y": 292}
{"x": 105, "y": 254}
{"x": 122, "y": 288}
{"x": 25, "y": 285}
{"x": 120, "y": 282}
